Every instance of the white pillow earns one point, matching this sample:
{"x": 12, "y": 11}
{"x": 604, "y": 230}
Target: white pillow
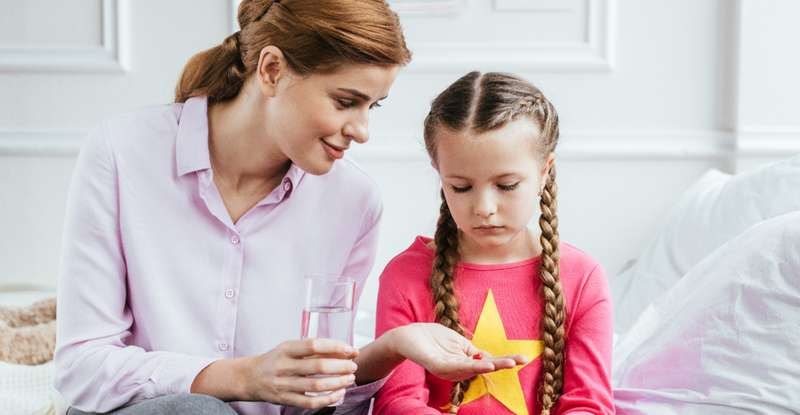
{"x": 724, "y": 339}
{"x": 715, "y": 209}
{"x": 28, "y": 389}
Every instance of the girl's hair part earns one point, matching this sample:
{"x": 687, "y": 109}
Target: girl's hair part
{"x": 484, "y": 102}
{"x": 315, "y": 36}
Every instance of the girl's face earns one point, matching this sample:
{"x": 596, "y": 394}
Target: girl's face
{"x": 317, "y": 117}
{"x": 491, "y": 181}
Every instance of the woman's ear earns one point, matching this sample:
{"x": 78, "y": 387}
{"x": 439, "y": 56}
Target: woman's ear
{"x": 271, "y": 68}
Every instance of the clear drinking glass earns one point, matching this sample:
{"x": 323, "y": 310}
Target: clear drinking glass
{"x": 328, "y": 309}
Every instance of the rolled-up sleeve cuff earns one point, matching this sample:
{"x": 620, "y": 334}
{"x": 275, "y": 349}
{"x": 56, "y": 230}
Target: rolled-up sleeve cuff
{"x": 357, "y": 398}
{"x": 177, "y": 373}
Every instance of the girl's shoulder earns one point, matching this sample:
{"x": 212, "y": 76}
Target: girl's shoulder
{"x": 410, "y": 267}
{"x": 582, "y": 277}
{"x": 574, "y": 259}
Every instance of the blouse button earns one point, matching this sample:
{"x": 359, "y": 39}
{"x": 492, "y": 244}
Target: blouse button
{"x": 223, "y": 347}
{"x": 287, "y": 185}
{"x": 229, "y": 293}
{"x": 235, "y": 239}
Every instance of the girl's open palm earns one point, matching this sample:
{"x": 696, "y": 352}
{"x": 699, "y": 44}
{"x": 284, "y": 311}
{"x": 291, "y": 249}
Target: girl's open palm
{"x": 447, "y": 354}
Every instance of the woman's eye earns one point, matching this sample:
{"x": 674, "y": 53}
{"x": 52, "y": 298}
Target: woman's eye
{"x": 508, "y": 187}
{"x": 375, "y": 105}
{"x": 345, "y": 103}
{"x": 461, "y": 189}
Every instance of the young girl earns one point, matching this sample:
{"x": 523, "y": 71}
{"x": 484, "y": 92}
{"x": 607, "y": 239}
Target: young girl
{"x": 487, "y": 276}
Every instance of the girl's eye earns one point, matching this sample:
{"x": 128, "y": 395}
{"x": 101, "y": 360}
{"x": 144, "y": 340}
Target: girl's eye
{"x": 461, "y": 189}
{"x": 508, "y": 187}
{"x": 375, "y": 105}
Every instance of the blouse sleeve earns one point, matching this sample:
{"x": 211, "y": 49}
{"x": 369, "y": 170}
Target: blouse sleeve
{"x": 95, "y": 370}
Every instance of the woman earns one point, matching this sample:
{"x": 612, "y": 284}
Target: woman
{"x": 189, "y": 228}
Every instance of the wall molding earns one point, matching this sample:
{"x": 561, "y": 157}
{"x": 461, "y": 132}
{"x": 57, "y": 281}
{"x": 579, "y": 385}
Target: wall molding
{"x": 596, "y": 54}
{"x": 41, "y": 143}
{"x": 537, "y": 5}
{"x": 427, "y": 8}
{"x": 104, "y": 58}
{"x": 584, "y": 145}
{"x": 768, "y": 141}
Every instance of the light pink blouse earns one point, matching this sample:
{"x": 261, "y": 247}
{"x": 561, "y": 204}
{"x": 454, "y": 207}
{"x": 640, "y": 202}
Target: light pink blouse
{"x": 156, "y": 281}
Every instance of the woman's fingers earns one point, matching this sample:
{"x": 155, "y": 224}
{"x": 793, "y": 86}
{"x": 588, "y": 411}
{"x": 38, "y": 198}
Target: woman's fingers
{"x": 302, "y": 384}
{"x": 312, "y": 402}
{"x": 327, "y": 347}
{"x": 322, "y": 366}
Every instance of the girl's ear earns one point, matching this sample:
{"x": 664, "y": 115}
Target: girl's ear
{"x": 545, "y": 170}
{"x": 271, "y": 68}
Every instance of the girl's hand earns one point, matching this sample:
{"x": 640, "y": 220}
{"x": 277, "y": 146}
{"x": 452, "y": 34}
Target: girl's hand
{"x": 447, "y": 354}
{"x": 283, "y": 375}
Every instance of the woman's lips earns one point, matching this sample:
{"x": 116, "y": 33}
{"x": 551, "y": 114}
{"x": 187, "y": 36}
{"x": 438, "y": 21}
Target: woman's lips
{"x": 334, "y": 152}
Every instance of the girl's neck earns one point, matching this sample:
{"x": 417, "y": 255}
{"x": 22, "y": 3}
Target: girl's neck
{"x": 524, "y": 245}
{"x": 243, "y": 153}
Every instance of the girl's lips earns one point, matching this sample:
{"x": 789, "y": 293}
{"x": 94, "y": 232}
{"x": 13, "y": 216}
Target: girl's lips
{"x": 489, "y": 229}
{"x": 332, "y": 151}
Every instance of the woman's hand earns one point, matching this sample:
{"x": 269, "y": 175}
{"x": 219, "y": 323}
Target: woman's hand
{"x": 284, "y": 374}
{"x": 445, "y": 353}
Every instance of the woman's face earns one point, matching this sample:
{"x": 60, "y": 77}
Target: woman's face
{"x": 317, "y": 117}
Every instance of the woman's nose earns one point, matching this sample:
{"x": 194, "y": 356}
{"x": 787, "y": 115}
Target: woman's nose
{"x": 357, "y": 129}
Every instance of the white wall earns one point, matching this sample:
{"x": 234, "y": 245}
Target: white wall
{"x": 651, "y": 93}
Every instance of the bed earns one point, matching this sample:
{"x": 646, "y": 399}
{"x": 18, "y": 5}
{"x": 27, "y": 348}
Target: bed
{"x": 708, "y": 317}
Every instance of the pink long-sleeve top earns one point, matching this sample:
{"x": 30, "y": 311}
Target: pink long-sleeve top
{"x": 405, "y": 297}
{"x": 156, "y": 281}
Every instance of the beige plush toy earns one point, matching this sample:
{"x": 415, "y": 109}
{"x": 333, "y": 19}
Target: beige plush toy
{"x": 28, "y": 334}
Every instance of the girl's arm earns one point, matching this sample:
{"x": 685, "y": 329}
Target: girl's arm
{"x": 587, "y": 370}
{"x": 405, "y": 392}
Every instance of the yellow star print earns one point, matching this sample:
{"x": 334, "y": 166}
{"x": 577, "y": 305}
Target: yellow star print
{"x": 503, "y": 385}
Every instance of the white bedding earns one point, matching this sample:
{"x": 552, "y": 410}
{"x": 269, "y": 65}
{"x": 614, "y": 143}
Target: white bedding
{"x": 725, "y": 339}
{"x": 714, "y": 210}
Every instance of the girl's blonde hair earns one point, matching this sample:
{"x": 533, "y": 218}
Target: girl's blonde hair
{"x": 480, "y": 103}
{"x": 315, "y": 36}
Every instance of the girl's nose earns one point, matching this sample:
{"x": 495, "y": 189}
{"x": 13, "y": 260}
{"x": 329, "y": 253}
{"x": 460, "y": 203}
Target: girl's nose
{"x": 485, "y": 206}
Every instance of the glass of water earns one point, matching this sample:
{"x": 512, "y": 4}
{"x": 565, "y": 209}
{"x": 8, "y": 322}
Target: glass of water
{"x": 328, "y": 309}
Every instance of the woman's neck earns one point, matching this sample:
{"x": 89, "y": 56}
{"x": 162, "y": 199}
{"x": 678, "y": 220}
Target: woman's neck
{"x": 241, "y": 150}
